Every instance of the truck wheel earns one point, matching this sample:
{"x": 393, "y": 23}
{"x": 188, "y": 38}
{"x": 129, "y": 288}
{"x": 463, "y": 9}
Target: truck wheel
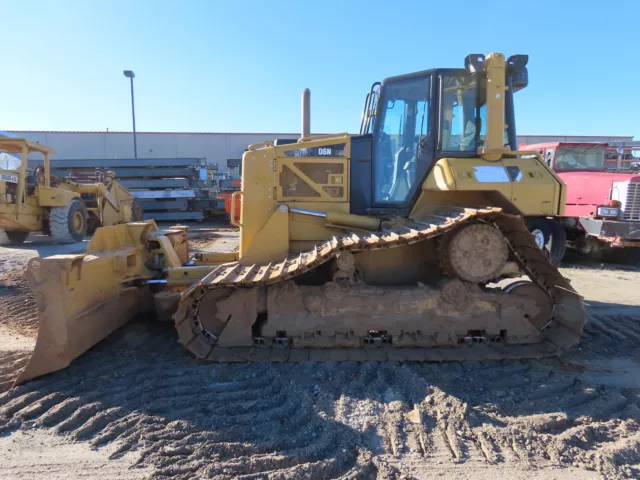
{"x": 541, "y": 231}
{"x": 16, "y": 237}
{"x": 68, "y": 224}
{"x": 557, "y": 244}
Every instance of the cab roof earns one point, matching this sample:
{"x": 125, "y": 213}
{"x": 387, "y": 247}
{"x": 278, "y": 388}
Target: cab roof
{"x": 16, "y": 145}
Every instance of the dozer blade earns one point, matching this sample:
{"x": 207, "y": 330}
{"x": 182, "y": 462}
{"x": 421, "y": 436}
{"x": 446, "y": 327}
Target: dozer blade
{"x": 81, "y": 299}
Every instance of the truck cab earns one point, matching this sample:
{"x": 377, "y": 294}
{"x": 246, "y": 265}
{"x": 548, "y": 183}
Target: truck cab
{"x": 603, "y": 192}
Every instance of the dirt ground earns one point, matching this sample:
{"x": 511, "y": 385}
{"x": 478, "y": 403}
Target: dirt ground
{"x": 138, "y": 406}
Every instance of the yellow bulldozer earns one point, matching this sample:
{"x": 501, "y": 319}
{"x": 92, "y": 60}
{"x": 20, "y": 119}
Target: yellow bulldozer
{"x": 63, "y": 209}
{"x": 405, "y": 242}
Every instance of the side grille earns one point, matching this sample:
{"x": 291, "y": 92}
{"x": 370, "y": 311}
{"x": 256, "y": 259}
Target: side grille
{"x": 632, "y": 203}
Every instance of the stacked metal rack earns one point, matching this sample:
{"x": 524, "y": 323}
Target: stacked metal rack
{"x": 168, "y": 188}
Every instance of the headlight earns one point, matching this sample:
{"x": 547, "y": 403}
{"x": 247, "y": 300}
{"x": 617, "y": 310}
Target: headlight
{"x": 609, "y": 212}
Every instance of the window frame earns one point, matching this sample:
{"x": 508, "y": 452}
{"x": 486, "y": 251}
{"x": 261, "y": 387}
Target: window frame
{"x": 428, "y": 139}
{"x": 582, "y": 169}
{"x": 439, "y": 143}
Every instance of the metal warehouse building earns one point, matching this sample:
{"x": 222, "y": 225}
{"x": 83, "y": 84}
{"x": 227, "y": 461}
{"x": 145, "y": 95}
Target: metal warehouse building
{"x": 215, "y": 147}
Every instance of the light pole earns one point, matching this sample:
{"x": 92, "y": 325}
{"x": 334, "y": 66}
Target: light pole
{"x": 129, "y": 74}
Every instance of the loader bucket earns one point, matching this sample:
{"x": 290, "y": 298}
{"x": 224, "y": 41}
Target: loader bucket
{"x": 81, "y": 299}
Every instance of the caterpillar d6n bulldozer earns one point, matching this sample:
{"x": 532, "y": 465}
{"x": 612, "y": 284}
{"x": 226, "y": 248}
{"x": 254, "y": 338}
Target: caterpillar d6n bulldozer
{"x": 405, "y": 243}
{"x": 63, "y": 209}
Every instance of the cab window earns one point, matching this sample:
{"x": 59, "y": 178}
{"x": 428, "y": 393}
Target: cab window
{"x": 401, "y": 126}
{"x": 461, "y": 116}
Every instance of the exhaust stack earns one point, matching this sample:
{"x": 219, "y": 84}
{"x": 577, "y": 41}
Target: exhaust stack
{"x": 306, "y": 113}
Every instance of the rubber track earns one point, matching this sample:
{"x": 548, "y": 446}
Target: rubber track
{"x": 565, "y": 326}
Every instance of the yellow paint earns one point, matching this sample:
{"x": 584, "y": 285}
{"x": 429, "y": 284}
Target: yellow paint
{"x": 258, "y": 200}
{"x": 215, "y": 258}
{"x": 495, "y": 69}
{"x": 272, "y": 242}
{"x": 537, "y": 190}
{"x": 114, "y": 201}
{"x": 54, "y": 197}
{"x": 355, "y": 221}
{"x": 171, "y": 258}
{"x": 292, "y": 162}
{"x": 28, "y": 219}
{"x": 30, "y": 208}
{"x": 262, "y": 166}
{"x": 117, "y": 236}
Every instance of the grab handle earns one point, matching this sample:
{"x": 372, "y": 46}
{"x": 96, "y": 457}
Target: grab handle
{"x": 232, "y": 218}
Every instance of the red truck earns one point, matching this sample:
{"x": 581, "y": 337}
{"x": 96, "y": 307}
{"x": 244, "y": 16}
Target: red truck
{"x": 602, "y": 216}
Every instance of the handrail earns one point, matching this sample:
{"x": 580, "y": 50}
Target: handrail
{"x": 364, "y": 112}
{"x": 323, "y": 137}
{"x": 232, "y": 216}
{"x": 254, "y": 146}
{"x": 370, "y": 104}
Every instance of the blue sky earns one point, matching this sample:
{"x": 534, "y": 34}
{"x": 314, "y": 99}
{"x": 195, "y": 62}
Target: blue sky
{"x": 240, "y": 66}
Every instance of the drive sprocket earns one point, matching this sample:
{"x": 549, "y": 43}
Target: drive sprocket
{"x": 475, "y": 253}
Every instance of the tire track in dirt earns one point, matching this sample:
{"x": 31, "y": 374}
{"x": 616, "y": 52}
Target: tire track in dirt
{"x": 610, "y": 335}
{"x": 187, "y": 419}
{"x": 141, "y": 392}
{"x": 19, "y": 319}
{"x": 18, "y": 309}
{"x": 11, "y": 362}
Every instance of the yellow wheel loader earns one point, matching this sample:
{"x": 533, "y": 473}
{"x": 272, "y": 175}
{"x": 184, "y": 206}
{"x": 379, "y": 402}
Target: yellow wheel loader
{"x": 405, "y": 243}
{"x": 62, "y": 209}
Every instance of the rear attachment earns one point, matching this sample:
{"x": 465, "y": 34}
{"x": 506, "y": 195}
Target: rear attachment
{"x": 240, "y": 313}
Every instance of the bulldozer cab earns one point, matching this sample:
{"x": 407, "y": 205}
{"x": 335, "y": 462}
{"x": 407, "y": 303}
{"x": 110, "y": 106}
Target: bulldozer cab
{"x": 415, "y": 119}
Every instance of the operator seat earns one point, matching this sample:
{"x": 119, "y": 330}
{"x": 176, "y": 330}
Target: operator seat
{"x": 401, "y": 183}
{"x": 34, "y": 179}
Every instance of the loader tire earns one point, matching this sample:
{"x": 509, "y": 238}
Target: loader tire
{"x": 17, "y": 237}
{"x": 68, "y": 224}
